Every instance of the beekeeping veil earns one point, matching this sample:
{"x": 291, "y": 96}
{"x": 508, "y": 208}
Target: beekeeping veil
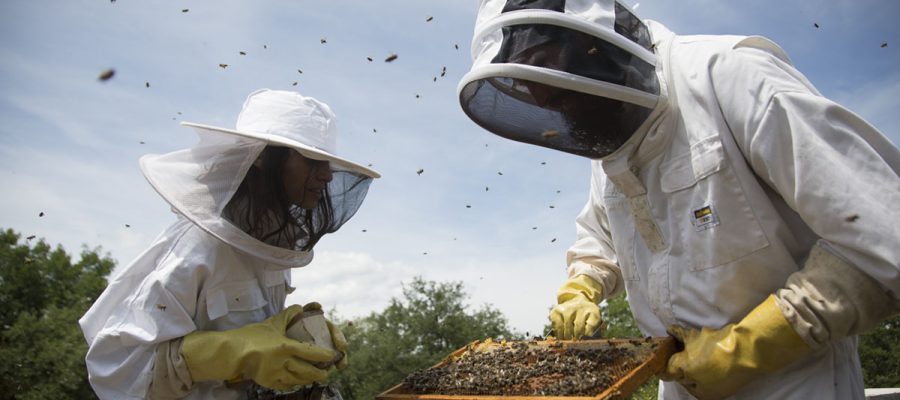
{"x": 572, "y": 75}
{"x": 200, "y": 181}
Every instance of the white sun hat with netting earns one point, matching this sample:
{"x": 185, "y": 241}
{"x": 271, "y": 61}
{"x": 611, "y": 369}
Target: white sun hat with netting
{"x": 200, "y": 181}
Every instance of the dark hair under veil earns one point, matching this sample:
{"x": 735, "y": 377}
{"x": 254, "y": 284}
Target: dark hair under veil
{"x": 262, "y": 209}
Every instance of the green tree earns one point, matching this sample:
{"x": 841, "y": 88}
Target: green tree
{"x": 42, "y": 295}
{"x": 412, "y": 333}
{"x": 618, "y": 319}
{"x": 879, "y": 353}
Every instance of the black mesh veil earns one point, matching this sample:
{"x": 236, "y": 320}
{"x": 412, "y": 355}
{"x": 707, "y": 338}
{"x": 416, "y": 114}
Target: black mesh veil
{"x": 343, "y": 197}
{"x": 571, "y": 125}
{"x": 271, "y": 218}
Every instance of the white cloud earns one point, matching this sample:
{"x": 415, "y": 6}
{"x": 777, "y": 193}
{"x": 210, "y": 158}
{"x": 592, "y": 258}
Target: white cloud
{"x": 354, "y": 284}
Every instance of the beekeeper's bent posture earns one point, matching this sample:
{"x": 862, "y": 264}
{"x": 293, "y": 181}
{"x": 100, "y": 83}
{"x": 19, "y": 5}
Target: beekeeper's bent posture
{"x": 203, "y": 307}
{"x": 742, "y": 212}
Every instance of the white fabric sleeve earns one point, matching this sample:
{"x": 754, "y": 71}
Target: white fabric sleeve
{"x": 171, "y": 377}
{"x": 830, "y": 299}
{"x": 120, "y": 360}
{"x": 593, "y": 253}
{"x": 837, "y": 172}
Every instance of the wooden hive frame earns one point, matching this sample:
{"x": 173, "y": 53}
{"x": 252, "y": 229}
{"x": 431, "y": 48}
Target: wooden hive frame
{"x": 629, "y": 381}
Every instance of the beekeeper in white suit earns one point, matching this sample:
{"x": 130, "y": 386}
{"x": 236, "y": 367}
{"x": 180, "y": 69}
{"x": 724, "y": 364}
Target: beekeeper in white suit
{"x": 740, "y": 210}
{"x": 203, "y": 306}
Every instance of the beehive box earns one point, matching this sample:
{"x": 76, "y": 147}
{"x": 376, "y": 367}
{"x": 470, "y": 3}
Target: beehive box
{"x": 539, "y": 370}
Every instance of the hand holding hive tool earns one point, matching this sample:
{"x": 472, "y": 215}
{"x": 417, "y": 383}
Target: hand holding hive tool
{"x": 310, "y": 326}
{"x": 260, "y": 352}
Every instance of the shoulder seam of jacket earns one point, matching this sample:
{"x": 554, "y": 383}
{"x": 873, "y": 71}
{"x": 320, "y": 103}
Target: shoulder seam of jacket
{"x": 765, "y": 44}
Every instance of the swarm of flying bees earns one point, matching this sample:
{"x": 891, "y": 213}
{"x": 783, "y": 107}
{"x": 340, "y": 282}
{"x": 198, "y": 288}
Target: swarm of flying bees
{"x": 391, "y": 57}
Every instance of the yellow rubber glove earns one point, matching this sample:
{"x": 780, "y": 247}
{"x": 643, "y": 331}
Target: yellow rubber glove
{"x": 716, "y": 363}
{"x": 257, "y": 351}
{"x": 340, "y": 344}
{"x": 577, "y": 315}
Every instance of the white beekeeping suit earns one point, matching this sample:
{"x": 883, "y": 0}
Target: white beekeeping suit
{"x": 205, "y": 273}
{"x": 722, "y": 181}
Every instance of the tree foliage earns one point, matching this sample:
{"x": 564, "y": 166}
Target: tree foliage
{"x": 412, "y": 333}
{"x": 619, "y": 323}
{"x": 879, "y": 353}
{"x": 42, "y": 295}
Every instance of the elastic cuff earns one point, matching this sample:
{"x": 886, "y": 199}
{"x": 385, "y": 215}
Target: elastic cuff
{"x": 581, "y": 285}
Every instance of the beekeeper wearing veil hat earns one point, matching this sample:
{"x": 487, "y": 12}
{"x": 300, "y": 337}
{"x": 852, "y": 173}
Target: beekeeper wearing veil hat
{"x": 741, "y": 211}
{"x": 203, "y": 307}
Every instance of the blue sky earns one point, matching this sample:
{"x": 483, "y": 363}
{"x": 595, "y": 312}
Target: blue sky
{"x": 69, "y": 143}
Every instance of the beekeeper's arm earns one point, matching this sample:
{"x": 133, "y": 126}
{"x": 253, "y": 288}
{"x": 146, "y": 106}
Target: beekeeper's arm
{"x": 121, "y": 357}
{"x": 592, "y": 270}
{"x": 840, "y": 175}
{"x": 260, "y": 352}
{"x": 151, "y": 347}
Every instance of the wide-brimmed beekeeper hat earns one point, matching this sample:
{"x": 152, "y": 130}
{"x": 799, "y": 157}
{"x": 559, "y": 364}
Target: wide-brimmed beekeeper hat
{"x": 289, "y": 119}
{"x": 199, "y": 182}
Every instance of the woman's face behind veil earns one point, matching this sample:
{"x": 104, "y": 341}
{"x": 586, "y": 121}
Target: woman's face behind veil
{"x": 305, "y": 180}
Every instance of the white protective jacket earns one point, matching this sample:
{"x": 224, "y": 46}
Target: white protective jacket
{"x": 187, "y": 280}
{"x": 748, "y": 183}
